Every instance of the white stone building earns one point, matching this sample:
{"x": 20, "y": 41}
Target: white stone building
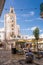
{"x": 11, "y": 27}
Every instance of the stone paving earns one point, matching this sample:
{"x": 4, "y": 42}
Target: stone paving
{"x": 6, "y": 58}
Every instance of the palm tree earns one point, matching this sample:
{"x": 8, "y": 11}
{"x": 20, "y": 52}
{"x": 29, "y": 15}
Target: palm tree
{"x": 36, "y": 35}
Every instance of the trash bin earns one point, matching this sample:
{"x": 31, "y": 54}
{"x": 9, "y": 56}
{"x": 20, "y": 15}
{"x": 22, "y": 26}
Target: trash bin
{"x": 13, "y": 50}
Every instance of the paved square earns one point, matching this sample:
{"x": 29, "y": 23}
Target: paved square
{"x": 6, "y": 58}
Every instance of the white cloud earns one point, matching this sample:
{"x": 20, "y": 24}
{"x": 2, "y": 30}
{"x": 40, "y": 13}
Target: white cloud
{"x": 30, "y": 29}
{"x": 35, "y": 19}
{"x": 28, "y": 20}
{"x": 28, "y": 36}
{"x": 25, "y": 29}
{"x": 32, "y": 13}
{"x": 33, "y": 28}
{"x": 41, "y": 35}
{"x": 41, "y": 30}
{"x": 29, "y": 14}
{"x": 31, "y": 37}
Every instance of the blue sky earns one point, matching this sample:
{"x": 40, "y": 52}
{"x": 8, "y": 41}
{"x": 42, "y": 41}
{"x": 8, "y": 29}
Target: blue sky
{"x": 27, "y": 13}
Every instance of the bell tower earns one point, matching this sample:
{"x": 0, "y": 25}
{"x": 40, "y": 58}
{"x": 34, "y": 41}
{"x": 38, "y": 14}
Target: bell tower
{"x": 11, "y": 10}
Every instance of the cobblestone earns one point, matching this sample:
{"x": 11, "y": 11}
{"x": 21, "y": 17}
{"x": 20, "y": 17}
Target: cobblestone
{"x": 6, "y": 58}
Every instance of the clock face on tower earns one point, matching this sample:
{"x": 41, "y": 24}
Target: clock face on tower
{"x": 12, "y": 18}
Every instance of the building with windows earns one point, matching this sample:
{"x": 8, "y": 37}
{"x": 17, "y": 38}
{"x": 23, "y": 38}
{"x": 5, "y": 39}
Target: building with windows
{"x": 12, "y": 30}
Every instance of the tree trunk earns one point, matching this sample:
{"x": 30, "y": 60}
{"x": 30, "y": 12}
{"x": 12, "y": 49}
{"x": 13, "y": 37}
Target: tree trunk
{"x": 37, "y": 45}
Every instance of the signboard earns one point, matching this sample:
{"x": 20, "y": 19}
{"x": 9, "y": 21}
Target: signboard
{"x": 2, "y": 2}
